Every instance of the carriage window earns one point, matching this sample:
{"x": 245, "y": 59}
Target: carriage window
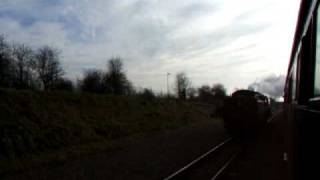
{"x": 317, "y": 63}
{"x": 293, "y": 79}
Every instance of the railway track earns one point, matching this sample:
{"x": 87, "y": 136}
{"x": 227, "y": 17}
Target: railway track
{"x": 210, "y": 165}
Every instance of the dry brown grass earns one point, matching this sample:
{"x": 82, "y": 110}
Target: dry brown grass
{"x": 47, "y": 126}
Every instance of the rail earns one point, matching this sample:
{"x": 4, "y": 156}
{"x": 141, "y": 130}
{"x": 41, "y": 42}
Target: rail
{"x": 185, "y": 171}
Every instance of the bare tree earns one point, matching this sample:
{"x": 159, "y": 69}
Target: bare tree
{"x": 47, "y": 65}
{"x": 115, "y": 80}
{"x": 182, "y": 84}
{"x": 23, "y": 56}
{"x": 6, "y": 64}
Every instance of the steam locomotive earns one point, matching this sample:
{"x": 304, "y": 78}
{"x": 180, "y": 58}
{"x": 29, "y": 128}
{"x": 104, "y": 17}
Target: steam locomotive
{"x": 245, "y": 112}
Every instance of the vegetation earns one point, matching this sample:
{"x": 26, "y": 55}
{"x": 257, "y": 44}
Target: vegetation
{"x": 22, "y": 67}
{"x": 92, "y": 81}
{"x": 47, "y": 66}
{"x": 116, "y": 81}
{"x": 182, "y": 84}
{"x": 42, "y": 112}
{"x": 34, "y": 123}
{"x": 211, "y": 94}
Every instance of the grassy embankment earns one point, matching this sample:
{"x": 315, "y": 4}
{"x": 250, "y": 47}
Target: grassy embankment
{"x": 40, "y": 127}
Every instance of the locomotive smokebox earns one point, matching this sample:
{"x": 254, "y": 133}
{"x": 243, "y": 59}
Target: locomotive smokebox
{"x": 245, "y": 113}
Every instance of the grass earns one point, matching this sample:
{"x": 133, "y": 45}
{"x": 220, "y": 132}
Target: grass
{"x": 38, "y": 127}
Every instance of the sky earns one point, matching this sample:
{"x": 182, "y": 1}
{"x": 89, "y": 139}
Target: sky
{"x": 235, "y": 43}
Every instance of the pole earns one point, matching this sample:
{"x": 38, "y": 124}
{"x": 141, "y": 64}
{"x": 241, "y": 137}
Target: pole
{"x": 168, "y": 83}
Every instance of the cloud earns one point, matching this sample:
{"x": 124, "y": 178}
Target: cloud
{"x": 211, "y": 40}
{"x": 272, "y": 85}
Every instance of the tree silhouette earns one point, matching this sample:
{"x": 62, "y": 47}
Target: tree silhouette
{"x": 92, "y": 81}
{"x": 211, "y": 94}
{"x": 64, "y": 84}
{"x": 218, "y": 90}
{"x": 191, "y": 92}
{"x": 23, "y": 56}
{"x": 115, "y": 80}
{"x": 47, "y": 65}
{"x": 182, "y": 84}
{"x": 148, "y": 94}
{"x": 6, "y": 64}
{"x": 204, "y": 93}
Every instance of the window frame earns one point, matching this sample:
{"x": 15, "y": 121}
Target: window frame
{"x": 314, "y": 100}
{"x": 316, "y": 16}
{"x": 293, "y": 79}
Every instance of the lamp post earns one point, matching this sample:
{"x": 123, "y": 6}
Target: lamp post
{"x": 168, "y": 83}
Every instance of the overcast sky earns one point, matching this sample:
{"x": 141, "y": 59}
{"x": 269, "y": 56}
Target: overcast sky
{"x": 233, "y": 42}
